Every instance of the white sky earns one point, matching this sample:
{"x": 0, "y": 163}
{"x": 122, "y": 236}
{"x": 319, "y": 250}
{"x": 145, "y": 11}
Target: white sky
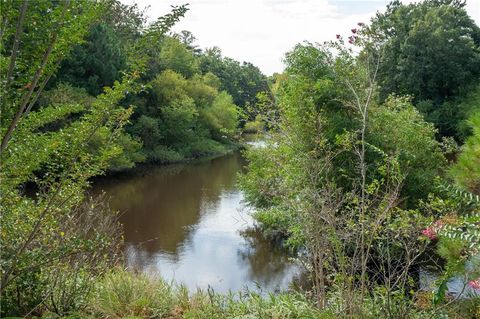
{"x": 262, "y": 31}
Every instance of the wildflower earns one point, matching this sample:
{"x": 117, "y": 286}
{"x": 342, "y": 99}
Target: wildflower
{"x": 430, "y": 233}
{"x": 338, "y": 36}
{"x": 475, "y": 284}
{"x": 354, "y": 30}
{"x": 361, "y": 24}
{"x": 432, "y": 230}
{"x": 438, "y": 224}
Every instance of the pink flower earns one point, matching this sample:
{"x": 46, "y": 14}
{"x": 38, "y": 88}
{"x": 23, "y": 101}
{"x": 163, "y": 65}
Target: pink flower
{"x": 475, "y": 284}
{"x": 351, "y": 39}
{"x": 438, "y": 224}
{"x": 354, "y": 30}
{"x": 360, "y": 24}
{"x": 338, "y": 36}
{"x": 430, "y": 233}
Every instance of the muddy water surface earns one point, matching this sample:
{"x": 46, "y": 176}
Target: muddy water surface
{"x": 188, "y": 223}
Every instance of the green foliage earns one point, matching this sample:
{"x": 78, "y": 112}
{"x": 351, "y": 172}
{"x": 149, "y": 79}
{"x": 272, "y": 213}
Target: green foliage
{"x": 128, "y": 21}
{"x": 182, "y": 110}
{"x": 466, "y": 171}
{"x": 184, "y": 118}
{"x": 242, "y": 81}
{"x": 129, "y": 149}
{"x": 64, "y": 94}
{"x": 261, "y": 183}
{"x": 344, "y": 176}
{"x": 60, "y": 165}
{"x": 431, "y": 50}
{"x": 308, "y": 61}
{"x": 221, "y": 117}
{"x": 468, "y": 105}
{"x": 95, "y": 64}
{"x": 337, "y": 178}
{"x": 122, "y": 294}
{"x": 175, "y": 56}
{"x": 398, "y": 129}
{"x": 147, "y": 129}
{"x": 255, "y": 126}
{"x": 55, "y": 243}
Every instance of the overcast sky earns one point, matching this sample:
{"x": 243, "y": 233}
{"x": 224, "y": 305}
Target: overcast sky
{"x": 261, "y": 31}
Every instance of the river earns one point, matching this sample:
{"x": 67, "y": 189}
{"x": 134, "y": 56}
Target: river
{"x": 188, "y": 223}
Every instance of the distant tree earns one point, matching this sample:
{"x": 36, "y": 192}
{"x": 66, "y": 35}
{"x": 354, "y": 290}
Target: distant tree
{"x": 241, "y": 81}
{"x": 127, "y": 21}
{"x": 177, "y": 56}
{"x": 188, "y": 39}
{"x": 95, "y": 64}
{"x": 431, "y": 50}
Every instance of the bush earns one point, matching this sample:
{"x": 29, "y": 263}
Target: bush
{"x": 204, "y": 147}
{"x": 221, "y": 117}
{"x": 256, "y": 126}
{"x": 164, "y": 154}
{"x": 61, "y": 281}
{"x": 398, "y": 128}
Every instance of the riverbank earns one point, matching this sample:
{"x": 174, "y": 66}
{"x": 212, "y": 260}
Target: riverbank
{"x": 220, "y": 149}
{"x": 122, "y": 294}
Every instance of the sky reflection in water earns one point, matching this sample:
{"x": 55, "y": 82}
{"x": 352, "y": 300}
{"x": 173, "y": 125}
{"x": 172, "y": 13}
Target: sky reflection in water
{"x": 188, "y": 223}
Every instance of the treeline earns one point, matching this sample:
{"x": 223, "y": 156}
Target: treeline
{"x": 373, "y": 169}
{"x": 193, "y": 103}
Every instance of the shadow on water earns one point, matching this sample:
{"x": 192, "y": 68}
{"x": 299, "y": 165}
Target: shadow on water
{"x": 188, "y": 223}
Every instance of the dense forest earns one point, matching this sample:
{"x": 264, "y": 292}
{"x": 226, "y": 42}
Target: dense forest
{"x": 370, "y": 169}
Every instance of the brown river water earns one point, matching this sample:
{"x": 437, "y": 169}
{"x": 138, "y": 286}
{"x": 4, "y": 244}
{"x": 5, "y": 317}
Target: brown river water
{"x": 188, "y": 223}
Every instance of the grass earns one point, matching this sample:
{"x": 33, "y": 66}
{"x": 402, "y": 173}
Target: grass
{"x": 123, "y": 294}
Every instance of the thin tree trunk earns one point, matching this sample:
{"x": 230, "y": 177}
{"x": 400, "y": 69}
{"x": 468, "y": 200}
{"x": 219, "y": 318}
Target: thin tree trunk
{"x": 16, "y": 43}
{"x": 37, "y": 95}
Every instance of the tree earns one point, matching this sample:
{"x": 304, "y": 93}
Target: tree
{"x": 332, "y": 179}
{"x": 51, "y": 240}
{"x": 242, "y": 81}
{"x": 176, "y": 56}
{"x": 185, "y": 117}
{"x": 95, "y": 64}
{"x": 466, "y": 171}
{"x": 127, "y": 21}
{"x": 431, "y": 50}
{"x": 221, "y": 116}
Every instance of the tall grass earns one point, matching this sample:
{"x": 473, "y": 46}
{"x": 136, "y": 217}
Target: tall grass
{"x": 123, "y": 294}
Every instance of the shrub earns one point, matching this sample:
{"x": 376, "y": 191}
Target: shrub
{"x": 256, "y": 126}
{"x": 164, "y": 154}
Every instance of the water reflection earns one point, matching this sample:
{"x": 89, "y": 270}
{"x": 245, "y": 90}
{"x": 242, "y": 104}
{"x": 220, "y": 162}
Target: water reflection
{"x": 456, "y": 286}
{"x": 266, "y": 261}
{"x": 187, "y": 223}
